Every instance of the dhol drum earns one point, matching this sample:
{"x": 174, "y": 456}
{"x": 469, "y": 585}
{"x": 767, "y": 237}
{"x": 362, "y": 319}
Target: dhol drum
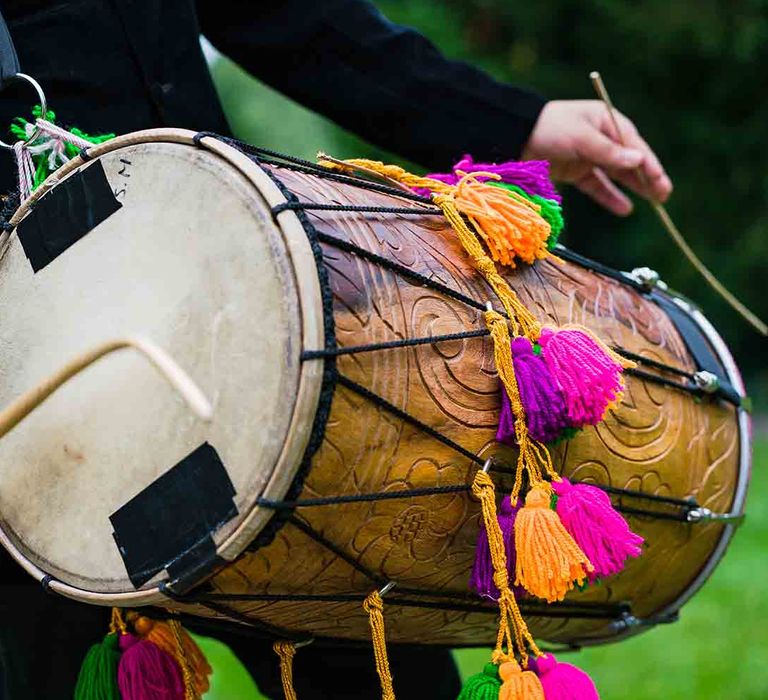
{"x": 335, "y": 326}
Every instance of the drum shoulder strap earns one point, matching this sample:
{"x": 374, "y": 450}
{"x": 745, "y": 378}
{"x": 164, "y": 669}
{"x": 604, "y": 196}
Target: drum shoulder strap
{"x": 9, "y": 60}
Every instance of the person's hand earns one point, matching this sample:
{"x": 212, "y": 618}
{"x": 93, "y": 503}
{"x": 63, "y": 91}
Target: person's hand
{"x": 578, "y": 138}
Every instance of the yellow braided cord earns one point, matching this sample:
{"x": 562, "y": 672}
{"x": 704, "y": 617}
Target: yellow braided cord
{"x": 117, "y": 624}
{"x": 190, "y": 692}
{"x": 374, "y": 606}
{"x": 511, "y": 622}
{"x": 286, "y": 651}
{"x": 444, "y": 196}
{"x": 533, "y": 456}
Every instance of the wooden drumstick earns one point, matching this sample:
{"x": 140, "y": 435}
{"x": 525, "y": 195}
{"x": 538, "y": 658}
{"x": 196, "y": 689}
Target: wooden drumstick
{"x": 12, "y": 415}
{"x": 669, "y": 225}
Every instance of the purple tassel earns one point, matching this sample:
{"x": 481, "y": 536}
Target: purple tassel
{"x": 546, "y": 414}
{"x": 481, "y": 580}
{"x": 532, "y": 176}
{"x": 603, "y": 535}
{"x": 146, "y": 672}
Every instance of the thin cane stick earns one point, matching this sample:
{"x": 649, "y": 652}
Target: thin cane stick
{"x": 669, "y": 225}
{"x": 12, "y": 415}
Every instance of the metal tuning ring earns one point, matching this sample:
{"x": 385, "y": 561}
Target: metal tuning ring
{"x": 647, "y": 278}
{"x": 703, "y": 515}
{"x": 386, "y": 588}
{"x": 43, "y": 106}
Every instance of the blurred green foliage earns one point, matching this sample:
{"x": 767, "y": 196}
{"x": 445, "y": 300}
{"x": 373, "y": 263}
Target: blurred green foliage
{"x": 690, "y": 74}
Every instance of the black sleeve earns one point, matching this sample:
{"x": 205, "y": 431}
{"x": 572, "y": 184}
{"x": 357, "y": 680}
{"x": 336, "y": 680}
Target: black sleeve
{"x": 385, "y": 82}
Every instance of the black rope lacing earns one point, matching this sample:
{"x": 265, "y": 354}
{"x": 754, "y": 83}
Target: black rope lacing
{"x": 214, "y": 601}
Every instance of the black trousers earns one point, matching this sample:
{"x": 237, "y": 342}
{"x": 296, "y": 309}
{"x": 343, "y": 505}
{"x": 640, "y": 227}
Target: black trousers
{"x": 44, "y": 638}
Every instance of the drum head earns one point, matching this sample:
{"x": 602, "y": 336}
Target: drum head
{"x": 112, "y": 484}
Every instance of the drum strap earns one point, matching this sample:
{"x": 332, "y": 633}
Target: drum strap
{"x": 9, "y": 61}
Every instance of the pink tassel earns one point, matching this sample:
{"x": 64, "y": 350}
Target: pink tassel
{"x": 146, "y": 672}
{"x": 564, "y": 681}
{"x": 590, "y": 518}
{"x": 590, "y": 379}
{"x": 545, "y": 411}
{"x": 481, "y": 581}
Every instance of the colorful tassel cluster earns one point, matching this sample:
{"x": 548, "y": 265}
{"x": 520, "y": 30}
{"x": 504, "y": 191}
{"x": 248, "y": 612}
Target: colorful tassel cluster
{"x": 555, "y": 381}
{"x": 567, "y": 380}
{"x": 521, "y": 179}
{"x": 157, "y": 660}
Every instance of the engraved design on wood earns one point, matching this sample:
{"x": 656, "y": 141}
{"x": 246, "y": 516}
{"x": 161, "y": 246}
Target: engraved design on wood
{"x": 656, "y": 440}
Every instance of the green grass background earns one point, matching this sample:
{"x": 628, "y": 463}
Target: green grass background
{"x": 717, "y": 651}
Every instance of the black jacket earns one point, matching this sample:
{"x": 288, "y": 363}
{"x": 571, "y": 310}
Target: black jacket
{"x": 123, "y": 65}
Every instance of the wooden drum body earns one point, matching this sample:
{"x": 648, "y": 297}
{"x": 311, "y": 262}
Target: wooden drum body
{"x": 328, "y": 469}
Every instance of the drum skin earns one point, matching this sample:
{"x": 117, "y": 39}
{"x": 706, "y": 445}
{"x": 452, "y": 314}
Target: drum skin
{"x": 657, "y": 440}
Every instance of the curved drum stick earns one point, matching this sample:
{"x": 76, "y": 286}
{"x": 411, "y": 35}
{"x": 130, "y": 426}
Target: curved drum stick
{"x": 11, "y": 416}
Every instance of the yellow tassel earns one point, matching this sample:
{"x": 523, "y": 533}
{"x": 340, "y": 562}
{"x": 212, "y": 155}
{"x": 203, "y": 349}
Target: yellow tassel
{"x": 549, "y": 561}
{"x": 374, "y": 606}
{"x": 286, "y": 651}
{"x": 117, "y": 624}
{"x": 533, "y": 456}
{"x": 174, "y": 640}
{"x": 513, "y": 632}
{"x": 518, "y": 684}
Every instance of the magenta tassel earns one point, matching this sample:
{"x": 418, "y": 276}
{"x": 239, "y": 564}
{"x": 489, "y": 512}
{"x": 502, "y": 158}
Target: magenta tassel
{"x": 146, "y": 672}
{"x": 546, "y": 414}
{"x": 589, "y": 379}
{"x": 603, "y": 535}
{"x": 529, "y": 175}
{"x": 481, "y": 581}
{"x": 564, "y": 681}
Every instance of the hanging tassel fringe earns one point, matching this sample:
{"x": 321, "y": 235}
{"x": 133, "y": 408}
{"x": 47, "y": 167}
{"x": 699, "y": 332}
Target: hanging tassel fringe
{"x": 588, "y": 373}
{"x": 285, "y": 652}
{"x": 147, "y": 673}
{"x": 482, "y": 686}
{"x": 563, "y": 681}
{"x": 481, "y": 579}
{"x": 98, "y": 674}
{"x": 599, "y": 530}
{"x": 518, "y": 684}
{"x": 173, "y": 639}
{"x": 543, "y": 402}
{"x": 549, "y": 562}
{"x": 374, "y": 606}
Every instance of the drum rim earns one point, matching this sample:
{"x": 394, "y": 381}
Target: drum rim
{"x": 743, "y": 420}
{"x": 310, "y": 375}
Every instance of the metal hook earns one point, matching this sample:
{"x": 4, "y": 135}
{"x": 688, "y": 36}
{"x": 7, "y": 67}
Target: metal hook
{"x": 488, "y": 464}
{"x": 489, "y": 306}
{"x": 387, "y": 587}
{"x": 303, "y": 643}
{"x": 43, "y": 107}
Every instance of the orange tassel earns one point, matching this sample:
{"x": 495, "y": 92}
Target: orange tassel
{"x": 510, "y": 224}
{"x": 549, "y": 561}
{"x": 174, "y": 640}
{"x": 518, "y": 684}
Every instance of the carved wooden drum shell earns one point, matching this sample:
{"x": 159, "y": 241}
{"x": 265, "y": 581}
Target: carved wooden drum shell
{"x": 347, "y": 441}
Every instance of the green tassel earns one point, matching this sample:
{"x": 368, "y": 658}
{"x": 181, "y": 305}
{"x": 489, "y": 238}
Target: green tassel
{"x": 483, "y": 686}
{"x": 551, "y": 211}
{"x": 98, "y": 674}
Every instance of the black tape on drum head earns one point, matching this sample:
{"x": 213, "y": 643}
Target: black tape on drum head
{"x": 66, "y": 214}
{"x": 169, "y": 524}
